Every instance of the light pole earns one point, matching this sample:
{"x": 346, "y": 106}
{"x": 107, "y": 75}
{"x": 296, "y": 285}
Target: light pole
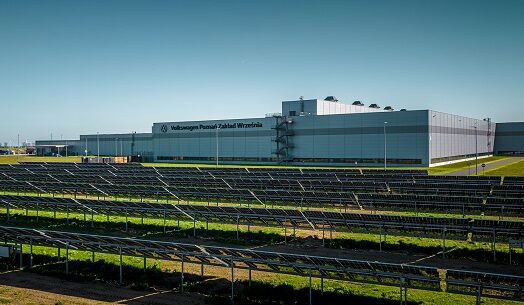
{"x": 116, "y": 147}
{"x": 476, "y": 152}
{"x": 86, "y": 147}
{"x": 385, "y": 146}
{"x": 121, "y": 150}
{"x": 216, "y": 139}
{"x": 97, "y": 147}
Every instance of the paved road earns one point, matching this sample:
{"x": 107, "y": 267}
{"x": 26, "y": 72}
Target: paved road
{"x": 493, "y": 165}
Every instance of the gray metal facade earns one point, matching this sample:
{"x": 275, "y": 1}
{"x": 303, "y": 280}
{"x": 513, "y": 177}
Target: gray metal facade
{"x": 308, "y": 134}
{"x": 453, "y": 137}
{"x": 509, "y": 138}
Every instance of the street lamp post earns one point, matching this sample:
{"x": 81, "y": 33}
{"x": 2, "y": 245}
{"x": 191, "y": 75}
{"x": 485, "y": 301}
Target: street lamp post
{"x": 216, "y": 139}
{"x": 476, "y": 153}
{"x": 86, "y": 147}
{"x": 385, "y": 147}
{"x": 98, "y": 147}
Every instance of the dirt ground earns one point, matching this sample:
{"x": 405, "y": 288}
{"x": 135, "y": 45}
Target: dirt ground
{"x": 29, "y": 288}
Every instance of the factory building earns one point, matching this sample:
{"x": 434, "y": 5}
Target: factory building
{"x": 306, "y": 132}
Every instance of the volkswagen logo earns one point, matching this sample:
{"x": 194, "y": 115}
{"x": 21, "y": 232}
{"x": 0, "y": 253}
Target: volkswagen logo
{"x": 163, "y": 128}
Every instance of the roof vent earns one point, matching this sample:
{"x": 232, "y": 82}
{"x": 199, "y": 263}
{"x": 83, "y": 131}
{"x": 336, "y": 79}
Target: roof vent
{"x": 374, "y": 106}
{"x": 403, "y": 109}
{"x": 389, "y": 108}
{"x": 358, "y": 103}
{"x": 331, "y": 99}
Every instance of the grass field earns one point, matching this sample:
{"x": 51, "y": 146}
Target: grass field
{"x": 514, "y": 169}
{"x": 225, "y": 234}
{"x": 295, "y": 282}
{"x": 17, "y": 159}
{"x": 449, "y": 168}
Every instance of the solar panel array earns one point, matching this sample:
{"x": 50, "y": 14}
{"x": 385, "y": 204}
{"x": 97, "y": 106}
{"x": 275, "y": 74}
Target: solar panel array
{"x": 406, "y": 275}
{"x": 370, "y": 189}
{"x": 457, "y": 228}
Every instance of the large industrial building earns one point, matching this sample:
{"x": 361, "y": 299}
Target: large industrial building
{"x": 309, "y": 132}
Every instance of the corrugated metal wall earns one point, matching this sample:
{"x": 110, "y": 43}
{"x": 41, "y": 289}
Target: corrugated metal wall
{"x": 509, "y": 138}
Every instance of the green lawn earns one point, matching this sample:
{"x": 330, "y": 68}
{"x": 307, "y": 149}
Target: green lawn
{"x": 17, "y": 159}
{"x": 297, "y": 282}
{"x": 449, "y": 168}
{"x": 514, "y": 169}
{"x": 380, "y": 292}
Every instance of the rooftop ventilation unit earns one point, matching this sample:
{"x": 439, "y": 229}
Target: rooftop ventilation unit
{"x": 331, "y": 99}
{"x": 358, "y": 103}
{"x": 389, "y": 108}
{"x": 403, "y": 109}
{"x": 374, "y": 106}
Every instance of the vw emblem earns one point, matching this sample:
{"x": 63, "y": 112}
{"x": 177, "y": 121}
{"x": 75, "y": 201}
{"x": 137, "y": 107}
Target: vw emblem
{"x": 163, "y": 128}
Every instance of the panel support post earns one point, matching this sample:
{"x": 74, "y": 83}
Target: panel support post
{"x": 194, "y": 226}
{"x": 120, "y": 277}
{"x": 323, "y": 235}
{"x": 322, "y": 285}
{"x": 444, "y": 242}
{"x": 232, "y": 282}
{"x": 21, "y": 254}
{"x": 202, "y": 269}
{"x": 401, "y": 293}
{"x": 31, "y": 253}
{"x": 67, "y": 258}
{"x": 479, "y": 294}
{"x": 164, "y": 219}
{"x": 182, "y": 276}
{"x": 310, "y": 292}
{"x": 145, "y": 263}
{"x": 249, "y": 282}
{"x": 494, "y": 246}
{"x": 510, "y": 253}
{"x": 93, "y": 256}
{"x": 238, "y": 220}
{"x": 380, "y": 239}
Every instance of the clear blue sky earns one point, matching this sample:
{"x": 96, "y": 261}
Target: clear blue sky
{"x": 72, "y": 67}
